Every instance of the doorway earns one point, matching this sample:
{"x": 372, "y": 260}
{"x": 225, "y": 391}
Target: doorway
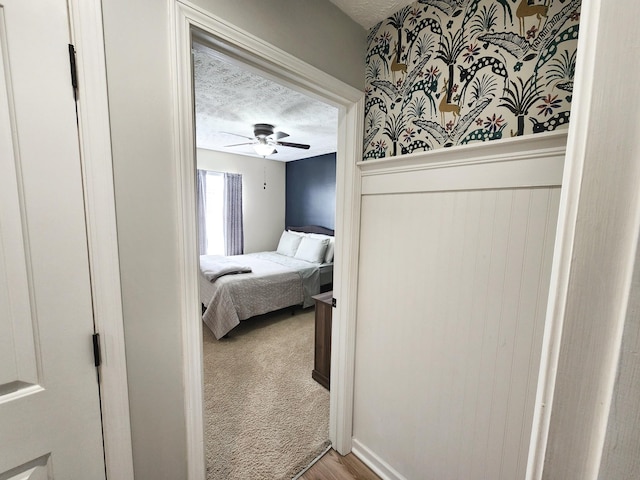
{"x": 264, "y": 415}
{"x": 349, "y": 101}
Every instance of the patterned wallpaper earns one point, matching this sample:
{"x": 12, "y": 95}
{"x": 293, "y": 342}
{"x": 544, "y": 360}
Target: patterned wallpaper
{"x": 451, "y": 72}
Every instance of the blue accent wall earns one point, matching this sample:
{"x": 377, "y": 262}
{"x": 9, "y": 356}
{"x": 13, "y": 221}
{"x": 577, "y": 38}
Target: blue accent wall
{"x": 311, "y": 191}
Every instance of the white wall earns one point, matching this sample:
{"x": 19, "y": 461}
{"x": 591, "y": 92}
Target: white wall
{"x": 455, "y": 263}
{"x": 139, "y": 68}
{"x": 140, "y": 109}
{"x": 263, "y": 208}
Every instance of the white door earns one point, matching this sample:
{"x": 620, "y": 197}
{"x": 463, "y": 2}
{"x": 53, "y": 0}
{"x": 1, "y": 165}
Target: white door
{"x": 50, "y": 424}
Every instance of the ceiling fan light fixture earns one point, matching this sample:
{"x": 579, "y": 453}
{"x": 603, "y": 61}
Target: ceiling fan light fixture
{"x": 265, "y": 140}
{"x": 264, "y": 149}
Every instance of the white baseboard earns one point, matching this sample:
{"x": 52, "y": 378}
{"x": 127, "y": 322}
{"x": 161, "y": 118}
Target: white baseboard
{"x": 374, "y": 462}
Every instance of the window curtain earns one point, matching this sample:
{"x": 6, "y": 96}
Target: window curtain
{"x": 201, "y": 192}
{"x": 233, "y": 229}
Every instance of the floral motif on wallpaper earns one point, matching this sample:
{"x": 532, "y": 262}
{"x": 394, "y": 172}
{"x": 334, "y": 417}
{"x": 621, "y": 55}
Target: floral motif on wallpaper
{"x": 449, "y": 72}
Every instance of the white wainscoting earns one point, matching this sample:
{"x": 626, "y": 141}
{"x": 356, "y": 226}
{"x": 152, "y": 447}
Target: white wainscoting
{"x": 455, "y": 258}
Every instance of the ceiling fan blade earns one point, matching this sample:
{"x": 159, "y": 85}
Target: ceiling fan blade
{"x": 238, "y": 144}
{"x": 237, "y": 135}
{"x": 294, "y": 145}
{"x": 279, "y": 135}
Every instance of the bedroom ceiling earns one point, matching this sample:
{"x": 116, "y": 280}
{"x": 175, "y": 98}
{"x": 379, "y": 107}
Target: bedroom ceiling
{"x": 230, "y": 98}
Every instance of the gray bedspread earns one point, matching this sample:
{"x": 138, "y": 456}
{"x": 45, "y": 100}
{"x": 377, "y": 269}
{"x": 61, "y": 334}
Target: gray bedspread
{"x": 275, "y": 281}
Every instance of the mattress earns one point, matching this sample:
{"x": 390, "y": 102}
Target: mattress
{"x": 275, "y": 282}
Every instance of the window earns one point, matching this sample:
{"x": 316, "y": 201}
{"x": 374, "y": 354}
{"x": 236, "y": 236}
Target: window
{"x": 214, "y": 213}
{"x": 220, "y": 229}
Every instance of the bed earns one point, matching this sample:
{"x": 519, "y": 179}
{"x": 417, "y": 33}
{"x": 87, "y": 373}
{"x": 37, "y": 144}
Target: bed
{"x": 236, "y": 288}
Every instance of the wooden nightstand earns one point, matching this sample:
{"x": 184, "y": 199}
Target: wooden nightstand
{"x": 322, "y": 360}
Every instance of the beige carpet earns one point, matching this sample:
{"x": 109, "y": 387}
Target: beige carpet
{"x": 265, "y": 418}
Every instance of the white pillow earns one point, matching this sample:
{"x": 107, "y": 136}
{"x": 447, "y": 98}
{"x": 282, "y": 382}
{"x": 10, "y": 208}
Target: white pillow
{"x": 328, "y": 254}
{"x": 300, "y": 234}
{"x": 312, "y": 249}
{"x": 288, "y": 244}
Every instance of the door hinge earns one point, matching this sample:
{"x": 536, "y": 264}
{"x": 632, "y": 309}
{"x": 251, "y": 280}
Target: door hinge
{"x": 334, "y": 303}
{"x": 74, "y": 71}
{"x": 97, "y": 357}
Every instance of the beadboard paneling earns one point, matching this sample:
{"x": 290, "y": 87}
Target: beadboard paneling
{"x": 452, "y": 296}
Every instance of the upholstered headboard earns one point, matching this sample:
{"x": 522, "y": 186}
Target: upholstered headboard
{"x": 312, "y": 229}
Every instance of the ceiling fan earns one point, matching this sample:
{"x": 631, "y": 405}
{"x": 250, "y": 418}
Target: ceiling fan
{"x": 265, "y": 140}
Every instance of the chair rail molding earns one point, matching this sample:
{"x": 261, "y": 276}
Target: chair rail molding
{"x": 532, "y": 161}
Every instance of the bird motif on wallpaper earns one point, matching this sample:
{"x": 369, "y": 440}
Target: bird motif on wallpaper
{"x": 483, "y": 135}
{"x": 509, "y": 41}
{"x": 370, "y": 136}
{"x": 467, "y": 74}
{"x": 397, "y": 94}
{"x": 426, "y": 23}
{"x": 451, "y": 8}
{"x": 551, "y": 124}
{"x": 372, "y": 33}
{"x": 380, "y": 50}
{"x": 566, "y": 86}
{"x": 371, "y": 101}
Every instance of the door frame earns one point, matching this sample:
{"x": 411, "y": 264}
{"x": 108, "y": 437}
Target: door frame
{"x": 282, "y": 67}
{"x": 85, "y": 19}
{"x": 592, "y": 269}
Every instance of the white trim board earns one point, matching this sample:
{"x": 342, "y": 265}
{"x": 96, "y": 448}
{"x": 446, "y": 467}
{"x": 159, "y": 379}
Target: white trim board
{"x": 95, "y": 148}
{"x": 526, "y": 162}
{"x": 595, "y": 252}
{"x": 277, "y": 64}
{"x": 497, "y": 150}
{"x": 374, "y": 462}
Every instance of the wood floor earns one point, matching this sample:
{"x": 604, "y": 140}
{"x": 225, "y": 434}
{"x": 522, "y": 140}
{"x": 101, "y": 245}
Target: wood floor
{"x": 333, "y": 466}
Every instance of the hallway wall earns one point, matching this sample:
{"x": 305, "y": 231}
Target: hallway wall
{"x": 139, "y": 67}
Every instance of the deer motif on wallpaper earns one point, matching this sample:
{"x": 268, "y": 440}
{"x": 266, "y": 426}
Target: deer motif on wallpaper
{"x": 396, "y": 66}
{"x": 467, "y": 61}
{"x": 525, "y": 10}
{"x": 445, "y": 106}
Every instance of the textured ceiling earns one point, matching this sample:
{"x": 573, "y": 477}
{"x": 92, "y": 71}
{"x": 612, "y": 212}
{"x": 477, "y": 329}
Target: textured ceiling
{"x": 231, "y": 98}
{"x": 369, "y": 12}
